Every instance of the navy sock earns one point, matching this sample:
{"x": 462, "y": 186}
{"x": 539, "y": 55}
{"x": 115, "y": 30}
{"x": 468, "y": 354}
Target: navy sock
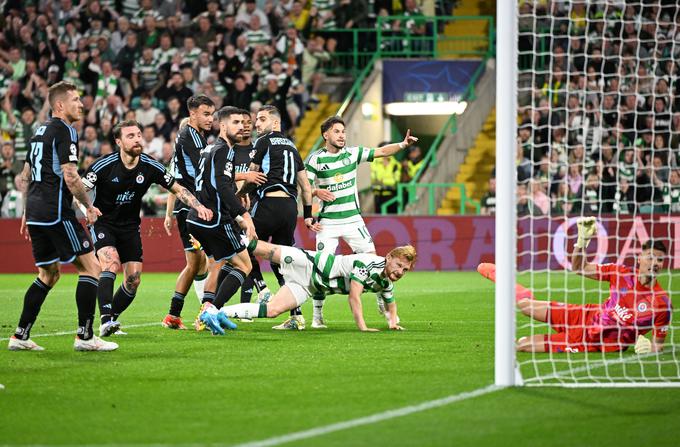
{"x": 176, "y": 304}
{"x": 208, "y": 297}
{"x": 122, "y": 300}
{"x": 33, "y": 300}
{"x": 247, "y": 290}
{"x": 229, "y": 287}
{"x": 105, "y": 295}
{"x": 86, "y": 299}
{"x": 295, "y": 312}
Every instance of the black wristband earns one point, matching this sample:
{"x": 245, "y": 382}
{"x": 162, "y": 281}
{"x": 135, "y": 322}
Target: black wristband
{"x": 307, "y": 211}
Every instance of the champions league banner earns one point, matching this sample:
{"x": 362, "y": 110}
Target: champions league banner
{"x": 426, "y": 80}
{"x": 444, "y": 243}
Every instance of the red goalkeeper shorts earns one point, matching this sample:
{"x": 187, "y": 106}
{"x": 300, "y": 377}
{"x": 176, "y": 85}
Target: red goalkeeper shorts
{"x": 571, "y": 322}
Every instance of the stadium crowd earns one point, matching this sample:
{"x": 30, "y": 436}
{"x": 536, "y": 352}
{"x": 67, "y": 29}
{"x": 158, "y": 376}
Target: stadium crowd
{"x": 142, "y": 59}
{"x": 598, "y": 108}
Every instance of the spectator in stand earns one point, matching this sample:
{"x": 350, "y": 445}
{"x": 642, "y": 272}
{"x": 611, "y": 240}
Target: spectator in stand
{"x": 539, "y": 196}
{"x": 173, "y": 112}
{"x": 152, "y": 144}
{"x": 313, "y": 56}
{"x": 524, "y": 168}
{"x": 175, "y": 88}
{"x": 240, "y": 93}
{"x": 276, "y": 95}
{"x": 246, "y": 10}
{"x": 90, "y": 146}
{"x": 146, "y": 113}
{"x": 162, "y": 126}
{"x": 13, "y": 201}
{"x": 10, "y": 167}
{"x": 488, "y": 202}
{"x": 562, "y": 201}
{"x": 385, "y": 176}
{"x": 411, "y": 164}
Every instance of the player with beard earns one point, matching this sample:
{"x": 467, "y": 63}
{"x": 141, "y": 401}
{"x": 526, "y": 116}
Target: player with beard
{"x": 191, "y": 139}
{"x": 119, "y": 181}
{"x": 220, "y": 236}
{"x": 243, "y": 155}
{"x": 51, "y": 175}
{"x": 275, "y": 211}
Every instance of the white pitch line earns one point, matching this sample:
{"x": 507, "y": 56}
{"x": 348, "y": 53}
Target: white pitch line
{"x": 372, "y": 419}
{"x": 56, "y": 334}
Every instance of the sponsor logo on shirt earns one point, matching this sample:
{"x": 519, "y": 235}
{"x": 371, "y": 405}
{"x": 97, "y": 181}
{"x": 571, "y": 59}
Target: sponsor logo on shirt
{"x": 126, "y": 197}
{"x": 642, "y": 307}
{"x": 623, "y": 313}
{"x": 140, "y": 179}
{"x": 340, "y": 186}
{"x": 338, "y": 177}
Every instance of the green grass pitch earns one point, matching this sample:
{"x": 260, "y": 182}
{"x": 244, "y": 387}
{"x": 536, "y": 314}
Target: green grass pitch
{"x": 167, "y": 387}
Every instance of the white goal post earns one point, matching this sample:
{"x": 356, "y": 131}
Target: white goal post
{"x": 588, "y": 124}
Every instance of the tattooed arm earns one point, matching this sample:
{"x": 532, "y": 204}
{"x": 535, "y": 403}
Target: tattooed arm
{"x": 75, "y": 185}
{"x": 185, "y": 196}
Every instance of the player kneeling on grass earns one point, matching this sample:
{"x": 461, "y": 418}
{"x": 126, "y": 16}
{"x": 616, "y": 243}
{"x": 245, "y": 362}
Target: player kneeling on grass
{"x": 636, "y": 305}
{"x": 307, "y": 272}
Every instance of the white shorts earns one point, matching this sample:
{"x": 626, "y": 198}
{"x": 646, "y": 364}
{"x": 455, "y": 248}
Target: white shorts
{"x": 355, "y": 235}
{"x": 297, "y": 270}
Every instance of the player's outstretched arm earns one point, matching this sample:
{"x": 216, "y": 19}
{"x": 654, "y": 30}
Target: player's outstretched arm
{"x": 355, "y": 290}
{"x": 185, "y": 196}
{"x": 587, "y": 228}
{"x": 75, "y": 185}
{"x": 391, "y": 149}
{"x": 394, "y": 318}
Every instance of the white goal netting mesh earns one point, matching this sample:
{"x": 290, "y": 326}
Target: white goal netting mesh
{"x": 598, "y": 135}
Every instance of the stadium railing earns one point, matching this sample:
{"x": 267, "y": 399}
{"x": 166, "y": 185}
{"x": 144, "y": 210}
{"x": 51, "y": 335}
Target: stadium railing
{"x": 409, "y": 190}
{"x": 358, "y": 45}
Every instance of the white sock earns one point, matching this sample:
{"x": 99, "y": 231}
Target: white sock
{"x": 318, "y": 309}
{"x": 199, "y": 288}
{"x": 243, "y": 310}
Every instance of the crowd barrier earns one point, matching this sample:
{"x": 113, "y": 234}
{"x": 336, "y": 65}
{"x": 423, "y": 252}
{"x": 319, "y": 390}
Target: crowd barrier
{"x": 444, "y": 243}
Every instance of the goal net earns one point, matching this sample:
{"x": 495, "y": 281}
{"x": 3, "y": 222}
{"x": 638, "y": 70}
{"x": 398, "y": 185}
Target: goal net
{"x": 598, "y": 135}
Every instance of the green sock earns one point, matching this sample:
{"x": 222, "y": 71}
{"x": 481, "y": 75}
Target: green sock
{"x": 262, "y": 313}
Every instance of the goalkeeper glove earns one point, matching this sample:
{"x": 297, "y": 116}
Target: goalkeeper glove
{"x": 643, "y": 345}
{"x": 587, "y": 228}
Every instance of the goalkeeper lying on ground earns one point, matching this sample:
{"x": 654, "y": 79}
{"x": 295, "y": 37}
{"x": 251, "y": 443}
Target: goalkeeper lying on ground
{"x": 636, "y": 305}
{"x": 308, "y": 271}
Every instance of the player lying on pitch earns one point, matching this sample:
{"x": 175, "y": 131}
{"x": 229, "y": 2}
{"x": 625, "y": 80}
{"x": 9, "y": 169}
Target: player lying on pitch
{"x": 307, "y": 272}
{"x": 636, "y": 305}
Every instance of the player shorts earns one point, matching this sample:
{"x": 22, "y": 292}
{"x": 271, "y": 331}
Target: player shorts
{"x": 126, "y": 240}
{"x": 181, "y": 216}
{"x": 275, "y": 218}
{"x": 571, "y": 322}
{"x": 221, "y": 242}
{"x": 355, "y": 235}
{"x": 61, "y": 242}
{"x": 297, "y": 269}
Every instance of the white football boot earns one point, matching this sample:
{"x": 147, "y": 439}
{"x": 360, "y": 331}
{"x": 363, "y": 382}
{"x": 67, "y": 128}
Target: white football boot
{"x": 94, "y": 344}
{"x": 17, "y": 344}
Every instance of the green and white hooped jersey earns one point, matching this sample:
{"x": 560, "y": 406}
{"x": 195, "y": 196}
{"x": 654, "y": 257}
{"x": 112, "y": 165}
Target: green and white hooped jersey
{"x": 337, "y": 173}
{"x": 332, "y": 274}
